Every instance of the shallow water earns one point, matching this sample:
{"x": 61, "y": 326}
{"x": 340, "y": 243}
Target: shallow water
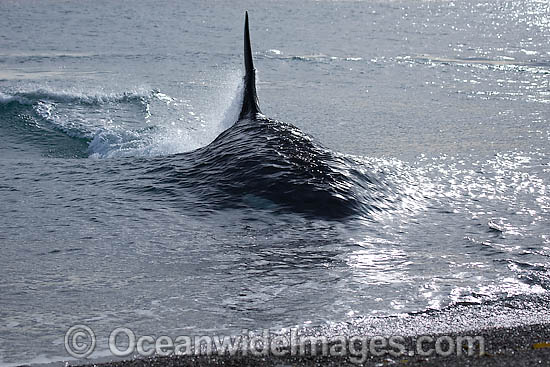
{"x": 122, "y": 205}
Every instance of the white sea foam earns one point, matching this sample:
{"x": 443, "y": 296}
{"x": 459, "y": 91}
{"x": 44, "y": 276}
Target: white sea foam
{"x": 136, "y": 122}
{"x": 8, "y": 98}
{"x": 72, "y": 96}
{"x": 193, "y": 128}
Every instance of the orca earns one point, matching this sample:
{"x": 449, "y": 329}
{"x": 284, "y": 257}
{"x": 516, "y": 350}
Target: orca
{"x": 264, "y": 163}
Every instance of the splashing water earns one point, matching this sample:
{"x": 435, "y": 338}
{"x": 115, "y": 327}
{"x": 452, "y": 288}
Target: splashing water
{"x": 187, "y": 132}
{"x": 135, "y": 123}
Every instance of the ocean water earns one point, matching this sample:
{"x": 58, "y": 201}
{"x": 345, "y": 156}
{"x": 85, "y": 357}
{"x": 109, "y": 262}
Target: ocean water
{"x": 414, "y": 179}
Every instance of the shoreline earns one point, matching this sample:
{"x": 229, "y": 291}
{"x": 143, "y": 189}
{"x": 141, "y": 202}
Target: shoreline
{"x": 526, "y": 345}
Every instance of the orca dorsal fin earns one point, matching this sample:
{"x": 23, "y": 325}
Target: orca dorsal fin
{"x": 250, "y": 107}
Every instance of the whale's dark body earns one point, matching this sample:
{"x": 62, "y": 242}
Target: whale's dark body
{"x": 264, "y": 162}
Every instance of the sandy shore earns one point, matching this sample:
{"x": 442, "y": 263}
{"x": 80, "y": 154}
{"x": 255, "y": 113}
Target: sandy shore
{"x": 517, "y": 346}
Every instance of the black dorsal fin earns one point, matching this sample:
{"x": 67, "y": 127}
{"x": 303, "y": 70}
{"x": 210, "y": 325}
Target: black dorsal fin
{"x": 250, "y": 106}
